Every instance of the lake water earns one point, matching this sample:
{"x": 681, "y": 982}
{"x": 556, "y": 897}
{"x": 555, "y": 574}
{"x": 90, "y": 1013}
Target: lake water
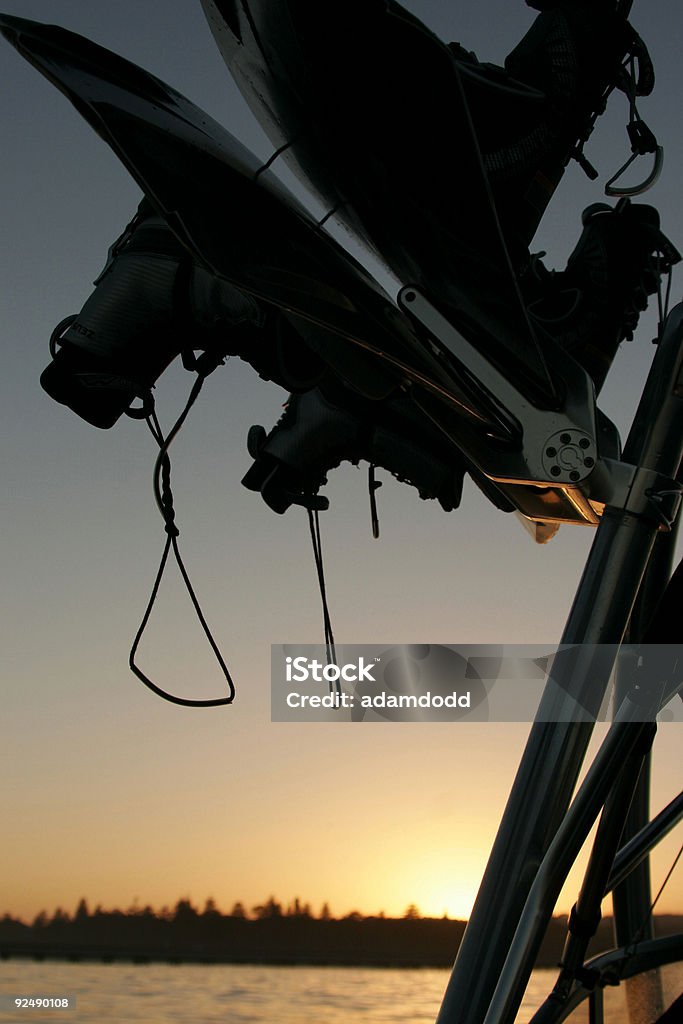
{"x": 236, "y": 994}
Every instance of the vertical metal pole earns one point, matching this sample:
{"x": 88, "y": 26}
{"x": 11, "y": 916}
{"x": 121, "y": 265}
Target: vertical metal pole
{"x": 556, "y": 747}
{"x": 548, "y": 770}
{"x": 631, "y": 913}
{"x": 596, "y": 1007}
{"x": 625, "y": 735}
{"x": 631, "y": 898}
{"x": 586, "y": 913}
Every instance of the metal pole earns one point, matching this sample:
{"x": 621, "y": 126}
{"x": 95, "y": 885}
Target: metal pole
{"x": 549, "y": 767}
{"x": 619, "y": 748}
{"x": 556, "y": 747}
{"x": 640, "y": 845}
{"x": 631, "y": 898}
{"x": 586, "y": 912}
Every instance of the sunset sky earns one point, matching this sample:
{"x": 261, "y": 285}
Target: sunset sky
{"x": 108, "y": 792}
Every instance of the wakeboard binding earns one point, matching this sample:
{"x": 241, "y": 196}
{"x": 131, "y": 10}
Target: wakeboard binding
{"x": 151, "y": 303}
{"x": 595, "y": 303}
{"x": 319, "y": 431}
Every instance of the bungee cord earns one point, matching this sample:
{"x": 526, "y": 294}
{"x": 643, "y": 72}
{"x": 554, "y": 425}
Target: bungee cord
{"x": 164, "y": 499}
{"x": 330, "y": 650}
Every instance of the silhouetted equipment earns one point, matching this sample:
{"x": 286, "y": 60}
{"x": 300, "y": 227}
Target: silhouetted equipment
{"x": 485, "y": 363}
{"x": 151, "y": 303}
{"x": 474, "y": 361}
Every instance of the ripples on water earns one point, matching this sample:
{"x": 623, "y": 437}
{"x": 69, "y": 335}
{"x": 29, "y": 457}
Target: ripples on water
{"x": 229, "y": 994}
{"x": 232, "y": 994}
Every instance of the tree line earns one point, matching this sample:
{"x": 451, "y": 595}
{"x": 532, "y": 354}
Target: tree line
{"x": 185, "y": 911}
{"x": 269, "y": 933}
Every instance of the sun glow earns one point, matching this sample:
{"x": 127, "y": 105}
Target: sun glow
{"x": 444, "y": 883}
{"x": 448, "y": 900}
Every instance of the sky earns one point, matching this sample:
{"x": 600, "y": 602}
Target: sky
{"x": 111, "y": 794}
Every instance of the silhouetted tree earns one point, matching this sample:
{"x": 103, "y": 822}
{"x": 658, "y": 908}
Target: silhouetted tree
{"x": 412, "y": 913}
{"x": 13, "y": 929}
{"x": 271, "y": 908}
{"x": 298, "y": 909}
{"x": 325, "y": 913}
{"x": 238, "y": 910}
{"x": 184, "y": 912}
{"x": 82, "y": 913}
{"x": 211, "y": 909}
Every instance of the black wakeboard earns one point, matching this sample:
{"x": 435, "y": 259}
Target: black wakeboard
{"x": 368, "y": 108}
{"x": 239, "y": 221}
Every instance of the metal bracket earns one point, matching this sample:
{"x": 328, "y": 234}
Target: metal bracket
{"x": 553, "y": 445}
{"x": 553, "y": 470}
{"x": 653, "y": 496}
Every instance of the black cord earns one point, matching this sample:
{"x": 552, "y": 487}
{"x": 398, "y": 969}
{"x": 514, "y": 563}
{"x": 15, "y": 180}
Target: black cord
{"x": 314, "y": 527}
{"x": 373, "y": 487}
{"x": 165, "y": 444}
{"x": 164, "y": 499}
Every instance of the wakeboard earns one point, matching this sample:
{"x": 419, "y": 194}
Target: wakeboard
{"x": 368, "y": 108}
{"x": 241, "y": 223}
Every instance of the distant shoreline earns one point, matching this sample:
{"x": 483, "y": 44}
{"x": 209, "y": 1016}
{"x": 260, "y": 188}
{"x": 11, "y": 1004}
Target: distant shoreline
{"x": 284, "y": 941}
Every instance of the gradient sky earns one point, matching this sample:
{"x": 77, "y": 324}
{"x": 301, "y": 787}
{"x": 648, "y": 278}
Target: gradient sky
{"x": 111, "y": 794}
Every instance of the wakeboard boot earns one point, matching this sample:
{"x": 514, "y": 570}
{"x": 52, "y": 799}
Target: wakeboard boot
{"x": 595, "y": 303}
{"x": 534, "y": 115}
{"x": 318, "y": 431}
{"x": 441, "y": 164}
{"x": 151, "y": 303}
